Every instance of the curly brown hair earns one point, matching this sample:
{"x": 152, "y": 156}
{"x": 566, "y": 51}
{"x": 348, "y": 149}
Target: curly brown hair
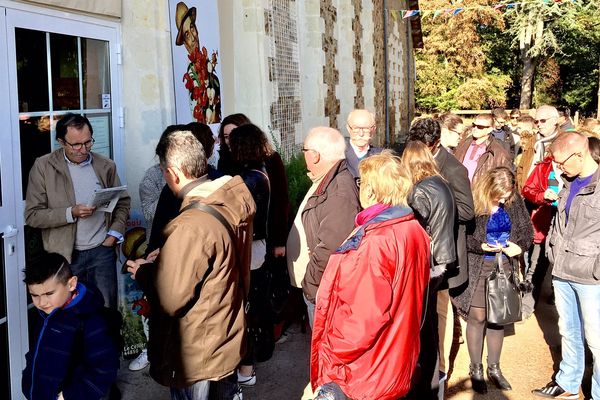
{"x": 249, "y": 145}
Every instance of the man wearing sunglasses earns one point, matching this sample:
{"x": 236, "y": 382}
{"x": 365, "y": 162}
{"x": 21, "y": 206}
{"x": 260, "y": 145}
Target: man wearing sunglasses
{"x": 573, "y": 250}
{"x": 480, "y": 151}
{"x": 546, "y": 120}
{"x": 60, "y": 186}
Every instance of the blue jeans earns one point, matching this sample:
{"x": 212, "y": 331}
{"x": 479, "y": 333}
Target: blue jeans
{"x": 98, "y": 267}
{"x": 225, "y": 389}
{"x": 310, "y": 310}
{"x": 578, "y": 309}
{"x": 198, "y": 391}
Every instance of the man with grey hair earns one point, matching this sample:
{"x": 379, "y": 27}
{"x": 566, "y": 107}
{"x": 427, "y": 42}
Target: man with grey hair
{"x": 361, "y": 127}
{"x": 205, "y": 256}
{"x": 573, "y": 251}
{"x": 326, "y": 215}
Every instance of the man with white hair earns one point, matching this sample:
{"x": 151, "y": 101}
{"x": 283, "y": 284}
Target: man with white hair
{"x": 361, "y": 127}
{"x": 326, "y": 214}
{"x": 546, "y": 120}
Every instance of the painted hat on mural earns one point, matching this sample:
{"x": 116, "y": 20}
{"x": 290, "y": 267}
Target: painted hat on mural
{"x": 181, "y": 13}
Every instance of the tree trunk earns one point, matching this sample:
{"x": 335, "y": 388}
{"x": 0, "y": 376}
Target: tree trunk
{"x": 529, "y": 65}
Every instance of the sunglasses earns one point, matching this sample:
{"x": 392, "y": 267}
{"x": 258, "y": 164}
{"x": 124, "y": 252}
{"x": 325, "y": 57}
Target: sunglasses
{"x": 542, "y": 121}
{"x": 481, "y": 126}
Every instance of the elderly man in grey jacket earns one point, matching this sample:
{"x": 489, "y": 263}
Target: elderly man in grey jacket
{"x": 574, "y": 251}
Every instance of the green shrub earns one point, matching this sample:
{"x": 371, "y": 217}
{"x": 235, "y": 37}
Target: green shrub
{"x": 298, "y": 182}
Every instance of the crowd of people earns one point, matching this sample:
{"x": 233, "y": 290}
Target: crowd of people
{"x": 389, "y": 250}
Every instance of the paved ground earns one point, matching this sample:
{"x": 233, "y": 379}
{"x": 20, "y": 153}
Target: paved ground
{"x": 527, "y": 362}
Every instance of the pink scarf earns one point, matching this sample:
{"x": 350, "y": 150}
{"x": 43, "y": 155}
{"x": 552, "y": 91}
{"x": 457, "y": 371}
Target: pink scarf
{"x": 369, "y": 213}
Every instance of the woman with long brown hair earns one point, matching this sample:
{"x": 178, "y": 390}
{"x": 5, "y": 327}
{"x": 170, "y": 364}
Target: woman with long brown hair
{"x": 502, "y": 225}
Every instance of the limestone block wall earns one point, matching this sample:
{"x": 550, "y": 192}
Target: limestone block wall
{"x": 147, "y": 79}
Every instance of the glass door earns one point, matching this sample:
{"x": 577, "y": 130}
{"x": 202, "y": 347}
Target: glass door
{"x": 51, "y": 63}
{"x": 12, "y": 294}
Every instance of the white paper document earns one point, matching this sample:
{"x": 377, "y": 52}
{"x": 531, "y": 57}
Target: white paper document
{"x": 106, "y": 199}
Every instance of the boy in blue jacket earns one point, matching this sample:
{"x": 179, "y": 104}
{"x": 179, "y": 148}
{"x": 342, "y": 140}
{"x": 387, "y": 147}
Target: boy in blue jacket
{"x": 73, "y": 356}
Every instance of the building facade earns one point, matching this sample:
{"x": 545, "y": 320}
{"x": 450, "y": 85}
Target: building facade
{"x": 288, "y": 64}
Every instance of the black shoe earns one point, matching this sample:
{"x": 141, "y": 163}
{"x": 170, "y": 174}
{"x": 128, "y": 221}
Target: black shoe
{"x": 495, "y": 375}
{"x": 477, "y": 379}
{"x": 553, "y": 391}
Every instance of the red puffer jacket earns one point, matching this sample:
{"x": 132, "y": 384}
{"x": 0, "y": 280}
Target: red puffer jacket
{"x": 369, "y": 306}
{"x": 533, "y": 191}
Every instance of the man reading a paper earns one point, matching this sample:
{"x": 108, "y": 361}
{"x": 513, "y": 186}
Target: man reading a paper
{"x": 59, "y": 192}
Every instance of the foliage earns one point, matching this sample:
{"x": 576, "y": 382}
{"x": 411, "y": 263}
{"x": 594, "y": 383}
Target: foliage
{"x": 564, "y": 39}
{"x": 298, "y": 182}
{"x": 547, "y": 83}
{"x": 452, "y": 67}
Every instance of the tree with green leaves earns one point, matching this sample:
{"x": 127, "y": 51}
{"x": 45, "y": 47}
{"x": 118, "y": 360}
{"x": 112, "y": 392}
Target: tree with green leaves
{"x": 543, "y": 30}
{"x": 452, "y": 71}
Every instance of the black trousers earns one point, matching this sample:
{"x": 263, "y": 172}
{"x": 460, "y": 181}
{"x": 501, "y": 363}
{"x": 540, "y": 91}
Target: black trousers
{"x": 428, "y": 354}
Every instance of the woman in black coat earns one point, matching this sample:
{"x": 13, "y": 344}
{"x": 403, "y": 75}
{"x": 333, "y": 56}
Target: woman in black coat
{"x": 502, "y": 224}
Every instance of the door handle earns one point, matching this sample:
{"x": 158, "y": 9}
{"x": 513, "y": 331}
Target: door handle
{"x": 10, "y": 231}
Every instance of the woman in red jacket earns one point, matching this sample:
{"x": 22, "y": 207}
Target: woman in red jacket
{"x": 365, "y": 341}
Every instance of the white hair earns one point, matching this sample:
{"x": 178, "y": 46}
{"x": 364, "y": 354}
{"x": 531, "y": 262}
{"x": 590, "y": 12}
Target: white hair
{"x": 328, "y": 142}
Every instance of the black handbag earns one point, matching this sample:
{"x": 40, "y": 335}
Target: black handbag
{"x": 503, "y": 297}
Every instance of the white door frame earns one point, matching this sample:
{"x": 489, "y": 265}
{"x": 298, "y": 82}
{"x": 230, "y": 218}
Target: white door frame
{"x": 12, "y": 15}
{"x": 11, "y": 229}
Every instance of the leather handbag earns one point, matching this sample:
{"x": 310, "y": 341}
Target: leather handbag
{"x": 503, "y": 297}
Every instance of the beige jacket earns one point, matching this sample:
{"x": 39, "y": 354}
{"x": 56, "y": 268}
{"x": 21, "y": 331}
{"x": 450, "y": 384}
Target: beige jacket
{"x": 50, "y": 192}
{"x": 198, "y": 286}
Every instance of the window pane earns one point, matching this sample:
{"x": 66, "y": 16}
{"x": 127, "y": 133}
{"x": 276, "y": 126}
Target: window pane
{"x": 102, "y": 128}
{"x": 96, "y": 73}
{"x": 35, "y": 142}
{"x": 65, "y": 72}
{"x": 32, "y": 70}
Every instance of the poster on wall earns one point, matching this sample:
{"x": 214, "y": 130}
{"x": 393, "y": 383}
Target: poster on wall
{"x": 197, "y": 73}
{"x": 132, "y": 304}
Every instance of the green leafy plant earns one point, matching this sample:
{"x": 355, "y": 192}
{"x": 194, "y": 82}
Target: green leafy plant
{"x": 298, "y": 182}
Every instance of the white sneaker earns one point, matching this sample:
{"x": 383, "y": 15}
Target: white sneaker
{"x": 244, "y": 380}
{"x": 140, "y": 362}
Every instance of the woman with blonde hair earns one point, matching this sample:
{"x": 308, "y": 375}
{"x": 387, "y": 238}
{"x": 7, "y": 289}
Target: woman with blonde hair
{"x": 433, "y": 201}
{"x": 370, "y": 297}
{"x": 502, "y": 225}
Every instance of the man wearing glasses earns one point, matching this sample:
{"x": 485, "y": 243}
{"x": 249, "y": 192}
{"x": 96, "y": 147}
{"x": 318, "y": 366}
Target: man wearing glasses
{"x": 60, "y": 186}
{"x": 573, "y": 250}
{"x": 361, "y": 127}
{"x": 481, "y": 152}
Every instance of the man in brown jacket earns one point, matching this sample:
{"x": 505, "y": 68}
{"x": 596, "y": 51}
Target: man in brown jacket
{"x": 329, "y": 207}
{"x": 60, "y": 186}
{"x": 198, "y": 284}
{"x": 481, "y": 152}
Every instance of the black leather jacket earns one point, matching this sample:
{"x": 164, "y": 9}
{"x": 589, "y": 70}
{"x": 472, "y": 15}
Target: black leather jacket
{"x": 434, "y": 205}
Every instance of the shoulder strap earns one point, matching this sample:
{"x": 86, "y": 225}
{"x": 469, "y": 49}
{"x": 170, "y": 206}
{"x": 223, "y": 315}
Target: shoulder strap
{"x": 210, "y": 210}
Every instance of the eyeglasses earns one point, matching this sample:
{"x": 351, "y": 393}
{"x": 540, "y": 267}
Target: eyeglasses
{"x": 542, "y": 121}
{"x": 481, "y": 126}
{"x": 561, "y": 164}
{"x": 79, "y": 146}
{"x": 357, "y": 182}
{"x": 304, "y": 150}
{"x": 361, "y": 129}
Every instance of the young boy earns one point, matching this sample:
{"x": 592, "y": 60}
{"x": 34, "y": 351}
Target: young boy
{"x": 73, "y": 356}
